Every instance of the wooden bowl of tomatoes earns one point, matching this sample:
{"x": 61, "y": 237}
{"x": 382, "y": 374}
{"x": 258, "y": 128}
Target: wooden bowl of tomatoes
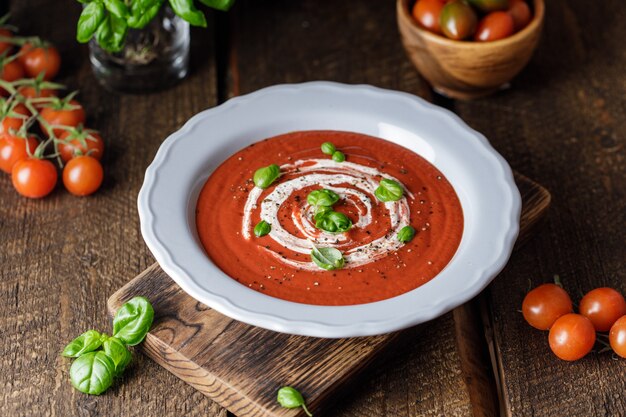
{"x": 470, "y": 48}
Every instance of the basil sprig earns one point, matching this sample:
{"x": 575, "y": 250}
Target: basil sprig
{"x": 323, "y": 198}
{"x": 389, "y": 190}
{"x": 100, "y": 357}
{"x": 333, "y": 222}
{"x": 289, "y": 397}
{"x": 109, "y": 20}
{"x": 262, "y": 228}
{"x": 264, "y": 177}
{"x": 406, "y": 234}
{"x": 327, "y": 258}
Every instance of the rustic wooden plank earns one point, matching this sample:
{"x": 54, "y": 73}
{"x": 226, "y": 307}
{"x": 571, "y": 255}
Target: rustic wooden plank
{"x": 563, "y": 123}
{"x": 62, "y": 256}
{"x": 241, "y": 367}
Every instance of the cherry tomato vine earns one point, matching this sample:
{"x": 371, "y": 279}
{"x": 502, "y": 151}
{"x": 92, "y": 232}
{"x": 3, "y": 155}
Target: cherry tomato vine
{"x": 42, "y": 132}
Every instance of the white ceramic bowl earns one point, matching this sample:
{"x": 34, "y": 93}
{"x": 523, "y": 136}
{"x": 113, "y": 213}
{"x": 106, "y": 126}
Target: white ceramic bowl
{"x": 481, "y": 177}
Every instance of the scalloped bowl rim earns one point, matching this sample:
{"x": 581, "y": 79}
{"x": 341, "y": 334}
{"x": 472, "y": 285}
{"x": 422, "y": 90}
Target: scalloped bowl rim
{"x": 482, "y": 178}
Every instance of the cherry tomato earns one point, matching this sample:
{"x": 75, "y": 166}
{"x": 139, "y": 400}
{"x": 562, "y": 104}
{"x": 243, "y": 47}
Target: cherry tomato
{"x": 487, "y": 6}
{"x": 520, "y": 12}
{"x": 427, "y": 13}
{"x": 82, "y": 175}
{"x": 38, "y": 59}
{"x": 63, "y": 117}
{"x": 30, "y": 92}
{"x": 603, "y": 306}
{"x": 5, "y": 46}
{"x": 572, "y": 336}
{"x": 11, "y": 122}
{"x": 33, "y": 177}
{"x": 458, "y": 20}
{"x": 14, "y": 149}
{"x": 85, "y": 143}
{"x": 617, "y": 337}
{"x": 543, "y": 305}
{"x": 11, "y": 71}
{"x": 494, "y": 26}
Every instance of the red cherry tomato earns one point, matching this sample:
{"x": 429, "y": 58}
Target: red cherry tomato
{"x": 31, "y": 92}
{"x": 603, "y": 306}
{"x": 63, "y": 117}
{"x": 545, "y": 304}
{"x": 427, "y": 13}
{"x": 85, "y": 143}
{"x": 617, "y": 337}
{"x": 40, "y": 59}
{"x": 14, "y": 149}
{"x": 34, "y": 178}
{"x": 82, "y": 175}
{"x": 494, "y": 26}
{"x": 5, "y": 46}
{"x": 11, "y": 122}
{"x": 458, "y": 20}
{"x": 11, "y": 71}
{"x": 571, "y": 337}
{"x": 520, "y": 12}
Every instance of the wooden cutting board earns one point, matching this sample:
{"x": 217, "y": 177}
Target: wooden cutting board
{"x": 240, "y": 366}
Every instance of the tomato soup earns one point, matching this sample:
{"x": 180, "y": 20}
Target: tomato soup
{"x": 392, "y": 217}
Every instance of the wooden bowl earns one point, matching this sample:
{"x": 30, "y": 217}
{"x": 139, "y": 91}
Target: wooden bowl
{"x": 467, "y": 69}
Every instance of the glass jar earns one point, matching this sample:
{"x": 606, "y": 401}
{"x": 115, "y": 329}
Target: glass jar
{"x": 153, "y": 58}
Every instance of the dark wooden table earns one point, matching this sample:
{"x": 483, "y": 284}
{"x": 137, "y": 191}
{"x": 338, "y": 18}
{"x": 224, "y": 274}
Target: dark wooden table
{"x": 563, "y": 123}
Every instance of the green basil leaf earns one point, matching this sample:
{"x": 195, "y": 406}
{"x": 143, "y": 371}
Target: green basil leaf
{"x": 117, "y": 7}
{"x": 327, "y": 258}
{"x": 262, "y": 228}
{"x": 328, "y": 148}
{"x": 118, "y": 352}
{"x": 338, "y": 156}
{"x": 264, "y": 177}
{"x": 86, "y": 342}
{"x": 406, "y": 234}
{"x": 140, "y": 5}
{"x": 133, "y": 320}
{"x": 92, "y": 373}
{"x": 140, "y": 17}
{"x": 186, "y": 10}
{"x": 289, "y": 397}
{"x": 333, "y": 222}
{"x": 321, "y": 211}
{"x": 89, "y": 20}
{"x": 323, "y": 197}
{"x": 112, "y": 33}
{"x": 223, "y": 5}
{"x": 389, "y": 190}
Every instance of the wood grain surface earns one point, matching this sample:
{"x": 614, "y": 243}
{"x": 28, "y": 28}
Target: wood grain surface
{"x": 562, "y": 123}
{"x": 242, "y": 367}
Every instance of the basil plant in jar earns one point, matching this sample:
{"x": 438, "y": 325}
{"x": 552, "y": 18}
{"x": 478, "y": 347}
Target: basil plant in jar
{"x": 140, "y": 45}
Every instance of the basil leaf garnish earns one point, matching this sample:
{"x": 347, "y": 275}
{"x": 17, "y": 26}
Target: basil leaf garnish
{"x": 328, "y": 148}
{"x": 119, "y": 354}
{"x": 321, "y": 211}
{"x": 322, "y": 197}
{"x": 92, "y": 373}
{"x": 327, "y": 258}
{"x": 133, "y": 320}
{"x": 86, "y": 342}
{"x": 264, "y": 177}
{"x": 333, "y": 222}
{"x": 338, "y": 156}
{"x": 406, "y": 234}
{"x": 389, "y": 190}
{"x": 289, "y": 397}
{"x": 262, "y": 228}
